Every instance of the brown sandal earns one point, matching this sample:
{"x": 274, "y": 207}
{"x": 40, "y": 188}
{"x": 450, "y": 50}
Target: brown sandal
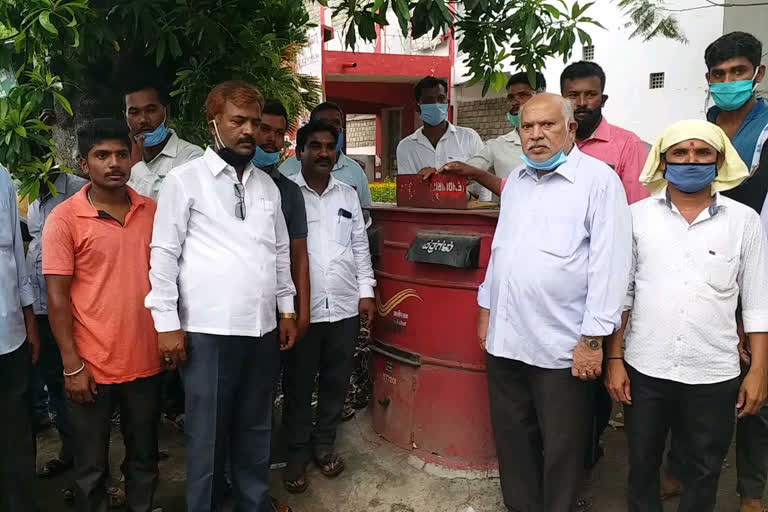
{"x": 330, "y": 464}
{"x": 295, "y": 478}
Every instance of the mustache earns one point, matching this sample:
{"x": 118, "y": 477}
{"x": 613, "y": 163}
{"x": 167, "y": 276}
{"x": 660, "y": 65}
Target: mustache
{"x": 247, "y": 138}
{"x": 537, "y": 145}
{"x": 584, "y": 111}
{"x": 323, "y": 161}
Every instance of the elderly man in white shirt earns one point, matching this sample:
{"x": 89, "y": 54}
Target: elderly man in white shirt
{"x": 220, "y": 267}
{"x": 438, "y": 141}
{"x": 156, "y": 148}
{"x": 554, "y": 288}
{"x": 342, "y": 292}
{"x": 696, "y": 255}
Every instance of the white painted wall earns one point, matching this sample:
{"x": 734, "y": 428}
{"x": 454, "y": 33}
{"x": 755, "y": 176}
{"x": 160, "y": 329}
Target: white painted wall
{"x": 628, "y": 64}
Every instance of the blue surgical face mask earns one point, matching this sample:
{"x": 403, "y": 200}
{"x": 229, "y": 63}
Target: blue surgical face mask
{"x": 690, "y": 178}
{"x": 434, "y": 113}
{"x": 155, "y": 137}
{"x": 340, "y": 142}
{"x": 514, "y": 119}
{"x": 732, "y": 95}
{"x": 550, "y": 163}
{"x": 262, "y": 159}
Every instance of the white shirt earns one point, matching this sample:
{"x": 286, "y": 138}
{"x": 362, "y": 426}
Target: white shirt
{"x": 146, "y": 177}
{"x": 210, "y": 271}
{"x": 685, "y": 285}
{"x": 499, "y": 156}
{"x": 415, "y": 152}
{"x": 560, "y": 262}
{"x": 340, "y": 270}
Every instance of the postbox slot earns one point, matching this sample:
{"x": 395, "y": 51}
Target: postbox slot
{"x": 396, "y": 354}
{"x": 458, "y": 251}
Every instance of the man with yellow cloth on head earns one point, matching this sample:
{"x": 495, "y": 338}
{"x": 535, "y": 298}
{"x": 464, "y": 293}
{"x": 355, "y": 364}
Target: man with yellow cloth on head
{"x": 696, "y": 254}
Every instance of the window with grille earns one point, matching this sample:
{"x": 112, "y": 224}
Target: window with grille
{"x": 588, "y": 52}
{"x": 656, "y": 81}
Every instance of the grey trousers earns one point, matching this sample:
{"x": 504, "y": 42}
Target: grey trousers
{"x": 17, "y": 444}
{"x": 139, "y": 403}
{"x": 541, "y": 421}
{"x": 229, "y": 384}
{"x": 327, "y": 350}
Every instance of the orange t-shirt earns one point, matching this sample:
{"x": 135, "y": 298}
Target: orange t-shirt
{"x": 109, "y": 264}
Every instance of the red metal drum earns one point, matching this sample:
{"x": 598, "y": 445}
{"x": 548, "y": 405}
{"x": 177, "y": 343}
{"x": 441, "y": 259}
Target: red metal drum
{"x": 430, "y": 392}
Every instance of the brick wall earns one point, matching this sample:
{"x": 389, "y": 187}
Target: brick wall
{"x": 487, "y": 117}
{"x": 361, "y": 131}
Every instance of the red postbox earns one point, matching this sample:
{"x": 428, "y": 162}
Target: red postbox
{"x": 430, "y": 391}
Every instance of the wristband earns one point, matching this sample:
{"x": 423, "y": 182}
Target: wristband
{"x": 74, "y": 372}
{"x": 619, "y": 357}
{"x": 288, "y": 315}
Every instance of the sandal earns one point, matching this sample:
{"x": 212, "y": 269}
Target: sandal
{"x": 53, "y": 468}
{"x": 116, "y": 497}
{"x": 69, "y": 495}
{"x": 670, "y": 488}
{"x": 330, "y": 464}
{"x": 278, "y": 507}
{"x": 295, "y": 478}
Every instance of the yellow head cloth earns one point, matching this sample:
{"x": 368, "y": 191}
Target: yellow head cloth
{"x": 730, "y": 173}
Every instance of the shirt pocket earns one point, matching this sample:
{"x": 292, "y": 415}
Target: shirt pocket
{"x": 559, "y": 237}
{"x": 261, "y": 216}
{"x": 6, "y": 227}
{"x": 343, "y": 231}
{"x": 720, "y": 271}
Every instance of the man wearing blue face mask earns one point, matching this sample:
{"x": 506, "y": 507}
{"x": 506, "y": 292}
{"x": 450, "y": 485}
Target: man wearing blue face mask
{"x": 156, "y": 148}
{"x": 346, "y": 170}
{"x": 696, "y": 255}
{"x": 553, "y": 289}
{"x": 438, "y": 141}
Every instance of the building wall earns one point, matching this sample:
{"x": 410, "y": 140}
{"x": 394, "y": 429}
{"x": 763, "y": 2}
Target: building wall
{"x": 487, "y": 117}
{"x": 628, "y": 64}
{"x": 752, "y": 19}
{"x": 361, "y": 131}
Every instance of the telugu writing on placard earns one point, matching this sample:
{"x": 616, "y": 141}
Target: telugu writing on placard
{"x": 438, "y": 246}
{"x": 439, "y": 186}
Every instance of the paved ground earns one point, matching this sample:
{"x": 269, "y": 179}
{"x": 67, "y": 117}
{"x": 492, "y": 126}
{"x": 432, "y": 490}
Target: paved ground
{"x": 379, "y": 478}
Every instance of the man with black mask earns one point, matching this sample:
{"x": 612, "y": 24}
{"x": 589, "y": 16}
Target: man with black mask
{"x": 583, "y": 84}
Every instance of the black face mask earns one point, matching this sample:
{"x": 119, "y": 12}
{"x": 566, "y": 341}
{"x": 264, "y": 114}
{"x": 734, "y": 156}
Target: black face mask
{"x": 588, "y": 124}
{"x": 234, "y": 159}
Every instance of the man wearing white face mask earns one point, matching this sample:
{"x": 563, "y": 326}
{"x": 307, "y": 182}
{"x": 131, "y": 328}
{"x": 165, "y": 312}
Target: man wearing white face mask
{"x": 439, "y": 141}
{"x": 156, "y": 148}
{"x": 554, "y": 288}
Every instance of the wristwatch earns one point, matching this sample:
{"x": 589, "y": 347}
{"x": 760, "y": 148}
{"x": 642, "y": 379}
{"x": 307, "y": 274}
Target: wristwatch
{"x": 288, "y": 315}
{"x": 592, "y": 342}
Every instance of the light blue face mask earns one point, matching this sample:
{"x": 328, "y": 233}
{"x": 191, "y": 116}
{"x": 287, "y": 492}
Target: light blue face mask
{"x": 262, "y": 159}
{"x": 340, "y": 142}
{"x": 434, "y": 113}
{"x": 514, "y": 119}
{"x": 732, "y": 95}
{"x": 550, "y": 163}
{"x": 690, "y": 178}
{"x": 155, "y": 137}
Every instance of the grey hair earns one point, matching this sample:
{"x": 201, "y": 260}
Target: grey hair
{"x": 565, "y": 107}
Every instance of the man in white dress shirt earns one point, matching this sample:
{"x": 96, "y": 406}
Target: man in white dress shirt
{"x": 554, "y": 288}
{"x": 696, "y": 255}
{"x": 220, "y": 266}
{"x": 156, "y": 148}
{"x": 438, "y": 141}
{"x": 341, "y": 294}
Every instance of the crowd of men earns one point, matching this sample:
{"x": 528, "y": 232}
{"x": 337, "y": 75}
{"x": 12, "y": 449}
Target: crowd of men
{"x": 181, "y": 280}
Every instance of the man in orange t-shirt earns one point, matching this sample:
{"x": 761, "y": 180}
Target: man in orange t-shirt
{"x": 96, "y": 265}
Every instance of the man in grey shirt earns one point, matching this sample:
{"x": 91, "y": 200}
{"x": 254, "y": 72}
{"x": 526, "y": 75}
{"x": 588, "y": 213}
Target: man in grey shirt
{"x": 49, "y": 366}
{"x": 18, "y": 340}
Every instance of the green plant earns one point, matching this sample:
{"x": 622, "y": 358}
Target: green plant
{"x": 384, "y": 191}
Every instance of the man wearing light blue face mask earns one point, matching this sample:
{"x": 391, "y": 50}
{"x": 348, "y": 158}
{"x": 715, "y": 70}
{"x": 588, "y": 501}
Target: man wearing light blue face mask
{"x": 156, "y": 148}
{"x": 438, "y": 141}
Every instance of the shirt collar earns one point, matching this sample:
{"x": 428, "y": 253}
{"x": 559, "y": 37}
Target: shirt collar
{"x": 341, "y": 162}
{"x": 419, "y": 136}
{"x": 756, "y": 109}
{"x": 171, "y": 148}
{"x": 216, "y": 164}
{"x": 513, "y": 137}
{"x": 301, "y": 182}
{"x": 566, "y": 170}
{"x": 663, "y": 196}
{"x": 602, "y": 132}
{"x": 82, "y": 207}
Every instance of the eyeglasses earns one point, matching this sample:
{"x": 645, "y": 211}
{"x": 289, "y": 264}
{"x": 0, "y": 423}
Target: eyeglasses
{"x": 240, "y": 205}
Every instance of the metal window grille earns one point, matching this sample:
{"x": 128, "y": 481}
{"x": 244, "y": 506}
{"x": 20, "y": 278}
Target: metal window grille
{"x": 656, "y": 81}
{"x": 588, "y": 52}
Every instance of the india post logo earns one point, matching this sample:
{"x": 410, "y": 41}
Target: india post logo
{"x": 386, "y": 308}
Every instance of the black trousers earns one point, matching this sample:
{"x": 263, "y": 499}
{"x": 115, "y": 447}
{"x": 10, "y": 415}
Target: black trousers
{"x": 17, "y": 444}
{"x": 701, "y": 418}
{"x": 50, "y": 367}
{"x": 541, "y": 419}
{"x": 752, "y": 454}
{"x": 327, "y": 350}
{"x": 139, "y": 403}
